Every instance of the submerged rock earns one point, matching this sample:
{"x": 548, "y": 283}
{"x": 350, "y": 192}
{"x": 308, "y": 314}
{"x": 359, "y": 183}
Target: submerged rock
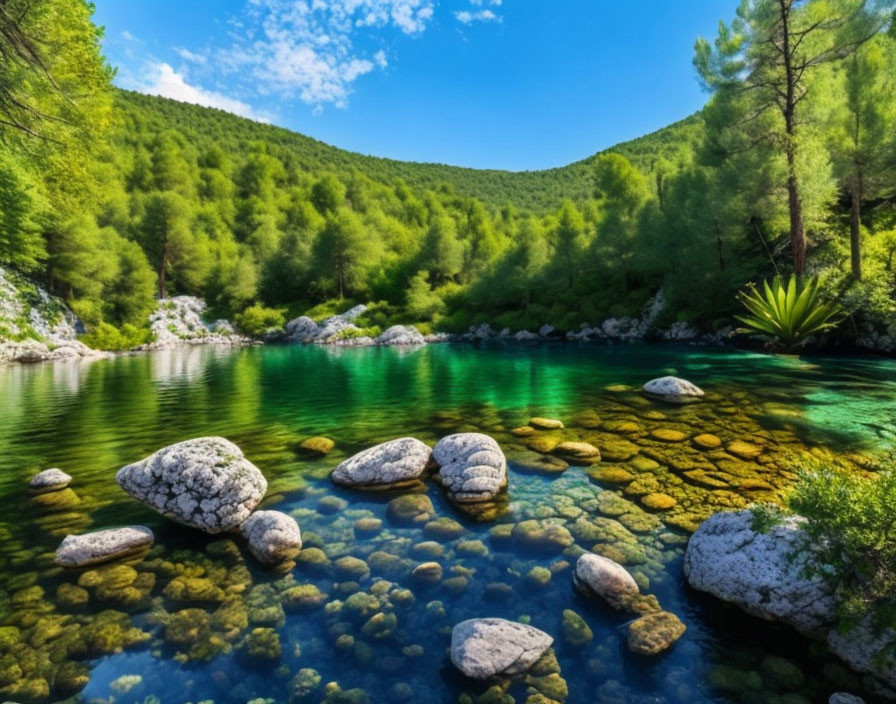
{"x": 606, "y": 578}
{"x": 205, "y": 483}
{"x": 391, "y": 463}
{"x": 545, "y": 423}
{"x": 273, "y": 536}
{"x": 90, "y": 548}
{"x": 317, "y": 445}
{"x": 48, "y": 480}
{"x": 673, "y": 389}
{"x": 488, "y": 647}
{"x": 472, "y": 466}
{"x": 654, "y": 633}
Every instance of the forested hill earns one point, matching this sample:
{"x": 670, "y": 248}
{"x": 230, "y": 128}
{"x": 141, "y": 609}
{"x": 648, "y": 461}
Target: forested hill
{"x": 539, "y": 191}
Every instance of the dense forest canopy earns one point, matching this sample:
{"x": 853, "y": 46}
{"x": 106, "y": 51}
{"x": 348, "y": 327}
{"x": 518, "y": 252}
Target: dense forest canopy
{"x": 112, "y": 199}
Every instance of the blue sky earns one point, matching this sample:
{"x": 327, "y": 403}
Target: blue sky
{"x": 510, "y": 84}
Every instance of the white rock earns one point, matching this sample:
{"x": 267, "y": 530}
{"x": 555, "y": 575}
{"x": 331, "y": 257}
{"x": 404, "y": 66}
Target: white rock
{"x": 354, "y": 312}
{"x": 301, "y": 329}
{"x": 401, "y": 335}
{"x": 605, "y": 578}
{"x": 525, "y": 336}
{"x": 472, "y": 466}
{"x": 671, "y": 388}
{"x": 273, "y": 537}
{"x": 763, "y": 573}
{"x": 845, "y": 698}
{"x": 90, "y": 548}
{"x": 488, "y": 647}
{"x": 205, "y": 483}
{"x": 49, "y": 480}
{"x": 545, "y": 330}
{"x": 392, "y": 462}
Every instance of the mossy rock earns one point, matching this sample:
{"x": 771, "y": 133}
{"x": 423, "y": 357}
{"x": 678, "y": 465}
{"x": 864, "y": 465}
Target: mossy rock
{"x": 734, "y": 680}
{"x": 538, "y": 576}
{"x": 428, "y": 572}
{"x": 387, "y": 564}
{"x": 317, "y": 445}
{"x": 262, "y": 644}
{"x": 380, "y": 625}
{"x": 654, "y": 633}
{"x": 428, "y": 549}
{"x": 706, "y": 441}
{"x": 71, "y": 596}
{"x": 618, "y": 450}
{"x": 658, "y": 501}
{"x": 575, "y": 630}
{"x": 304, "y": 684}
{"x": 455, "y": 586}
{"x": 668, "y": 435}
{"x": 471, "y": 548}
{"x": 611, "y": 475}
{"x": 539, "y": 463}
{"x": 582, "y": 452}
{"x": 350, "y": 567}
{"x": 63, "y": 500}
{"x": 193, "y": 589}
{"x": 327, "y": 505}
{"x": 187, "y": 626}
{"x": 542, "y": 536}
{"x": 552, "y": 686}
{"x": 540, "y": 423}
{"x": 543, "y": 443}
{"x": 410, "y": 509}
{"x": 303, "y": 597}
{"x": 443, "y": 529}
{"x": 524, "y": 431}
{"x": 744, "y": 450}
{"x": 314, "y": 558}
{"x": 368, "y": 526}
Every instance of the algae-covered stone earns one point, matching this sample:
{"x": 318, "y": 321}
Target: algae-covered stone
{"x": 91, "y": 548}
{"x": 475, "y": 548}
{"x": 575, "y": 630}
{"x": 658, "y": 501}
{"x": 380, "y": 625}
{"x": 488, "y": 647}
{"x": 317, "y": 445}
{"x": 303, "y": 597}
{"x": 523, "y": 431}
{"x": 410, "y": 508}
{"x": 545, "y": 423}
{"x": 668, "y": 435}
{"x": 744, "y": 450}
{"x": 205, "y": 483}
{"x": 611, "y": 475}
{"x": 304, "y": 684}
{"x": 368, "y": 526}
{"x": 350, "y": 567}
{"x": 443, "y": 529}
{"x": 541, "y": 535}
{"x": 71, "y": 596}
{"x": 187, "y": 626}
{"x": 193, "y": 589}
{"x": 654, "y": 633}
{"x": 273, "y": 536}
{"x": 578, "y": 451}
{"x": 428, "y": 572}
{"x": 331, "y": 504}
{"x": 391, "y": 463}
{"x": 706, "y": 441}
{"x": 538, "y": 576}
{"x": 263, "y": 644}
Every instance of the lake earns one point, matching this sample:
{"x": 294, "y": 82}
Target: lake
{"x": 373, "y": 631}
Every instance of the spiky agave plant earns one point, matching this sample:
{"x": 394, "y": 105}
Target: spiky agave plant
{"x": 790, "y": 312}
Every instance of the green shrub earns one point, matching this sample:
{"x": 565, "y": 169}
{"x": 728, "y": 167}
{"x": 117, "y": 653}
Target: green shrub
{"x": 789, "y": 312}
{"x": 108, "y": 337}
{"x": 256, "y": 320}
{"x": 850, "y": 525}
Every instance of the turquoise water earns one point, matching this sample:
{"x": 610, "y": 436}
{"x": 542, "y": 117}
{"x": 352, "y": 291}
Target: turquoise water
{"x": 90, "y": 419}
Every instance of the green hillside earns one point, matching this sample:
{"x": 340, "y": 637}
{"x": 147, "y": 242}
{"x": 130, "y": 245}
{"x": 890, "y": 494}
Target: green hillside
{"x": 539, "y": 191}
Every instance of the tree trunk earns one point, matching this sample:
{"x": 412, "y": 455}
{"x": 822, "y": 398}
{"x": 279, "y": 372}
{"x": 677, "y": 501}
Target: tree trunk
{"x": 795, "y": 203}
{"x": 162, "y": 281}
{"x": 855, "y": 227}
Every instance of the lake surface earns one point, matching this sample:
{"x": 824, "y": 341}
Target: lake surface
{"x": 122, "y": 633}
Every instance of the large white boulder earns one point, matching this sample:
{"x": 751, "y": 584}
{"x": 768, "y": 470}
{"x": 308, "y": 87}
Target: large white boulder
{"x": 101, "y": 546}
{"x": 205, "y": 483}
{"x": 472, "y": 466}
{"x": 605, "y": 578}
{"x": 390, "y": 463}
{"x": 273, "y": 537}
{"x": 401, "y": 335}
{"x": 301, "y": 329}
{"x": 489, "y": 647}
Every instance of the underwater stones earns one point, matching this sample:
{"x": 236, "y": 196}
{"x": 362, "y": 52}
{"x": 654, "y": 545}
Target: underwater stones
{"x": 410, "y": 508}
{"x": 428, "y": 549}
{"x": 605, "y": 578}
{"x": 262, "y": 644}
{"x": 472, "y": 467}
{"x": 193, "y": 589}
{"x": 389, "y": 464}
{"x": 53, "y": 501}
{"x": 314, "y": 558}
{"x": 368, "y": 526}
{"x": 273, "y": 537}
{"x": 101, "y": 546}
{"x": 668, "y": 435}
{"x": 380, "y": 625}
{"x": 575, "y": 630}
{"x": 187, "y": 626}
{"x": 303, "y": 597}
{"x": 763, "y": 573}
{"x": 578, "y": 451}
{"x": 744, "y": 450}
{"x": 781, "y": 674}
{"x": 618, "y": 450}
{"x": 483, "y": 648}
{"x": 543, "y": 443}
{"x": 706, "y": 441}
{"x": 655, "y": 632}
{"x": 428, "y": 573}
{"x": 350, "y": 567}
{"x": 538, "y": 576}
{"x": 540, "y": 423}
{"x": 539, "y": 463}
{"x": 71, "y": 596}
{"x": 205, "y": 483}
{"x": 317, "y": 445}
{"x": 611, "y": 475}
{"x": 443, "y": 529}
{"x": 523, "y": 431}
{"x": 542, "y": 536}
{"x": 672, "y": 389}
{"x": 48, "y": 480}
{"x": 658, "y": 501}
{"x": 304, "y": 684}
{"x": 331, "y": 504}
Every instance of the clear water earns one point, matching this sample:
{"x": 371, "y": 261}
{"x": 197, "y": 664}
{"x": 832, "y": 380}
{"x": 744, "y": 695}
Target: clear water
{"x": 91, "y": 419}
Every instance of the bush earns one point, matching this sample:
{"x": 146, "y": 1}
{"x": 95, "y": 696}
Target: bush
{"x": 108, "y": 337}
{"x": 256, "y": 320}
{"x": 851, "y": 532}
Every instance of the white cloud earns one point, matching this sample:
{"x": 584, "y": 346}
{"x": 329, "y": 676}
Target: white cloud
{"x": 127, "y": 36}
{"x": 468, "y": 17}
{"x": 188, "y": 55}
{"x": 162, "y": 79}
{"x": 306, "y": 48}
